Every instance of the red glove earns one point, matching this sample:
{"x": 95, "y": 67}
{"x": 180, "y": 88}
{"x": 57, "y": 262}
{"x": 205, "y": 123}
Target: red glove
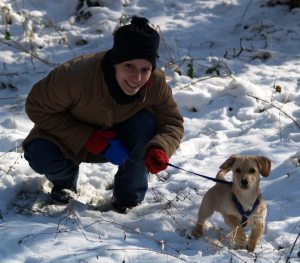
{"x": 99, "y": 140}
{"x": 156, "y": 160}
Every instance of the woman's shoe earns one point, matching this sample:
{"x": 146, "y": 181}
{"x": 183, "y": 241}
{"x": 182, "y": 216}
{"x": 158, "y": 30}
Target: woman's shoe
{"x": 63, "y": 196}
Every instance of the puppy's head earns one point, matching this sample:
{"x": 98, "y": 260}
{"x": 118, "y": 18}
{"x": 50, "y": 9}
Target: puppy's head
{"x": 246, "y": 170}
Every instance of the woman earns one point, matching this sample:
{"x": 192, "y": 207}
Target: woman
{"x": 113, "y": 106}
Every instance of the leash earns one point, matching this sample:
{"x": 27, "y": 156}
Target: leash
{"x": 216, "y": 180}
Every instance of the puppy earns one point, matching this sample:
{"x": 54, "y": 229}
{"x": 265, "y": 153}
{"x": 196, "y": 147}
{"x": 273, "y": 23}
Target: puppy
{"x": 241, "y": 203}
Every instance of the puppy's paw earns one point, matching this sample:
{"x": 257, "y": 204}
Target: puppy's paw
{"x": 252, "y": 242}
{"x": 239, "y": 243}
{"x": 197, "y": 233}
{"x": 250, "y": 248}
{"x": 238, "y": 246}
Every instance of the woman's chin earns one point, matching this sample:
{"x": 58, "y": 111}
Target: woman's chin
{"x": 130, "y": 91}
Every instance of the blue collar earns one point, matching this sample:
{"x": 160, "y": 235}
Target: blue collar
{"x": 243, "y": 213}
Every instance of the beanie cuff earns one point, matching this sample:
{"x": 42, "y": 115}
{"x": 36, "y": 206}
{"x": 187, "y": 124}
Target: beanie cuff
{"x": 119, "y": 57}
{"x": 135, "y": 41}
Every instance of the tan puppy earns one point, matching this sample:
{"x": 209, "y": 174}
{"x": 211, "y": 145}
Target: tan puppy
{"x": 240, "y": 204}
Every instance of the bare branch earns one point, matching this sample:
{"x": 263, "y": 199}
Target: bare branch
{"x": 276, "y": 107}
{"x": 288, "y": 258}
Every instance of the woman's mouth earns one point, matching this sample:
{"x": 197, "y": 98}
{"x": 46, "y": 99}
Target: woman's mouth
{"x": 132, "y": 85}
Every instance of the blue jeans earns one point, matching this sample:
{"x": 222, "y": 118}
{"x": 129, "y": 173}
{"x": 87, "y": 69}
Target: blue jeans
{"x": 131, "y": 179}
{"x": 44, "y": 157}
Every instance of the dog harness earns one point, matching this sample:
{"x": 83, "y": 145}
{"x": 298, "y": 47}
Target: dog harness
{"x": 245, "y": 214}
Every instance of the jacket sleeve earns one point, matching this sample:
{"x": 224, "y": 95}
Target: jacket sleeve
{"x": 49, "y": 105}
{"x": 170, "y": 121}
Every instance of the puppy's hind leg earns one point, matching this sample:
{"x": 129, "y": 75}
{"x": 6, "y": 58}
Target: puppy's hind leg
{"x": 205, "y": 211}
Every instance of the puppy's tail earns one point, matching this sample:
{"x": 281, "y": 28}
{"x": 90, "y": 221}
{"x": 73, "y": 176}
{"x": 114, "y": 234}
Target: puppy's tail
{"x": 221, "y": 174}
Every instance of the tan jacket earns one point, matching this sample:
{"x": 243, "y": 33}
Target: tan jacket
{"x": 73, "y": 100}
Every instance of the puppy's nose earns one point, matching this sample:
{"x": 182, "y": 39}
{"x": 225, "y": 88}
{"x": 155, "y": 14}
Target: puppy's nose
{"x": 245, "y": 183}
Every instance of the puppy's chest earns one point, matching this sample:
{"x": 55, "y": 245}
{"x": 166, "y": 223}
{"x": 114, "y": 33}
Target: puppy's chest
{"x": 252, "y": 215}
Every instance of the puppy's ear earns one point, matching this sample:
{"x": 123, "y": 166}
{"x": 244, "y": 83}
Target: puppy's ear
{"x": 221, "y": 174}
{"x": 264, "y": 165}
{"x": 228, "y": 163}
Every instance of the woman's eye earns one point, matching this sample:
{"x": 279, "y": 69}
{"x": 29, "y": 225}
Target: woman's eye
{"x": 146, "y": 71}
{"x": 238, "y": 170}
{"x": 128, "y": 65}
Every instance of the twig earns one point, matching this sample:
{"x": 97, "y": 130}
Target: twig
{"x": 11, "y": 150}
{"x": 222, "y": 247}
{"x": 167, "y": 48}
{"x": 71, "y": 214}
{"x": 16, "y": 74}
{"x": 198, "y": 80}
{"x": 19, "y": 47}
{"x": 14, "y": 163}
{"x": 246, "y": 9}
{"x": 288, "y": 258}
{"x": 228, "y": 73}
{"x": 8, "y": 98}
{"x": 68, "y": 230}
{"x": 169, "y": 202}
{"x": 23, "y": 210}
{"x": 276, "y": 107}
{"x": 56, "y": 29}
{"x": 147, "y": 249}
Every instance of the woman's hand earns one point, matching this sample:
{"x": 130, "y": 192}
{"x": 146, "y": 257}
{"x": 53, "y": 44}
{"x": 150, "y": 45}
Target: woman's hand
{"x": 156, "y": 160}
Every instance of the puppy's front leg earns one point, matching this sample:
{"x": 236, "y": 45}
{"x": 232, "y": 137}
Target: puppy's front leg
{"x": 198, "y": 230}
{"x": 258, "y": 224}
{"x": 239, "y": 235}
{"x": 256, "y": 233}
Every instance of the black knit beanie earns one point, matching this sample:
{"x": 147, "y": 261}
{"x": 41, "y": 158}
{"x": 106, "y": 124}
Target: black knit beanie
{"x": 135, "y": 41}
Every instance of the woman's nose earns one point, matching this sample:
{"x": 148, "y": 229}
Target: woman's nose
{"x": 137, "y": 76}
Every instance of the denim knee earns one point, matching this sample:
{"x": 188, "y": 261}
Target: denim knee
{"x": 41, "y": 155}
{"x": 44, "y": 157}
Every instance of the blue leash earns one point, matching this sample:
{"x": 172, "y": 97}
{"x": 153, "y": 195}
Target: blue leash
{"x": 216, "y": 180}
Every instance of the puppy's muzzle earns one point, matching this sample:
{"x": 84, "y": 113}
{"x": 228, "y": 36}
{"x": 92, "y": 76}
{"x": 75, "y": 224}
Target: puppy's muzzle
{"x": 245, "y": 183}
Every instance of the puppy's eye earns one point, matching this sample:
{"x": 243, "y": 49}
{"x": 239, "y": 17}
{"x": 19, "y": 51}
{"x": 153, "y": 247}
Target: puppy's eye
{"x": 238, "y": 170}
{"x": 252, "y": 171}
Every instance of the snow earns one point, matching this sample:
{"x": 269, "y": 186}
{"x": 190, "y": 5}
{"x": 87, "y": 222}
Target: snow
{"x": 248, "y": 103}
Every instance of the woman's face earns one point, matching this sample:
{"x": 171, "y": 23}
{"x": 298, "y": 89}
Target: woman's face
{"x": 131, "y": 75}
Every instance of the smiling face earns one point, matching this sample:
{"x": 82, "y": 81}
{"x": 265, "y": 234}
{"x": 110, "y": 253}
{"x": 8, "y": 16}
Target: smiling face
{"x": 132, "y": 75}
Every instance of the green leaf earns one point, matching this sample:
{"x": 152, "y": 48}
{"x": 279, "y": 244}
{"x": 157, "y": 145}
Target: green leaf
{"x": 7, "y": 35}
{"x": 190, "y": 71}
{"x": 210, "y": 71}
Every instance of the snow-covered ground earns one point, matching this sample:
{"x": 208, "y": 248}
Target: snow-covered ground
{"x": 244, "y": 98}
